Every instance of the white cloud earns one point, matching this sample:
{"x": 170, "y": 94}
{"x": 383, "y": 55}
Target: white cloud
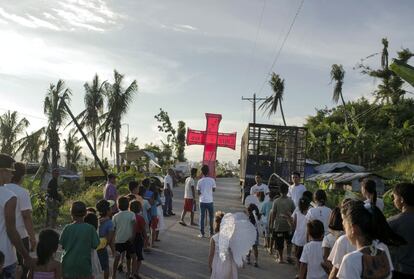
{"x": 18, "y": 19}
{"x": 43, "y": 23}
{"x": 68, "y": 15}
{"x": 48, "y": 15}
{"x": 186, "y": 26}
{"x": 34, "y": 57}
{"x": 179, "y": 27}
{"x": 74, "y": 21}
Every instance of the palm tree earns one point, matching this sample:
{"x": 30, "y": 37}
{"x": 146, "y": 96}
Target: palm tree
{"x": 72, "y": 149}
{"x": 10, "y": 128}
{"x": 119, "y": 99}
{"x": 31, "y": 145}
{"x": 56, "y": 113}
{"x": 270, "y": 103}
{"x": 94, "y": 103}
{"x": 337, "y": 75}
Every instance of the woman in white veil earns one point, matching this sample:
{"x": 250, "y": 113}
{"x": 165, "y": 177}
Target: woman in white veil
{"x": 234, "y": 236}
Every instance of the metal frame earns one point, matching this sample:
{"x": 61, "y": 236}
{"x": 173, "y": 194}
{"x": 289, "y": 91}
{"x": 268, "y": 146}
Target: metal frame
{"x": 286, "y": 145}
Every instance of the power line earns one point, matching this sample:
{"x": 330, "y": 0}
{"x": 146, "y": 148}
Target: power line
{"x": 25, "y": 114}
{"x": 283, "y": 44}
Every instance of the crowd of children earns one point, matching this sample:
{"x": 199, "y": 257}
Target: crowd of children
{"x": 352, "y": 240}
{"x": 86, "y": 241}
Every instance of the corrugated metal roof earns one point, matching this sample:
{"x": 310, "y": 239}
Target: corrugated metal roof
{"x": 340, "y": 177}
{"x": 311, "y": 162}
{"x": 330, "y": 167}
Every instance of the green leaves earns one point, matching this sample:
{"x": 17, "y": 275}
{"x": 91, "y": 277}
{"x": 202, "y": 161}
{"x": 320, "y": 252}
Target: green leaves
{"x": 118, "y": 100}
{"x": 403, "y": 70}
{"x": 175, "y": 138}
{"x": 10, "y": 128}
{"x": 56, "y": 113}
{"x": 271, "y": 103}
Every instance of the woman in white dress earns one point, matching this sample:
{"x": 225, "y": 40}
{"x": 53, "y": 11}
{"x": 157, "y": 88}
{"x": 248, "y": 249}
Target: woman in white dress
{"x": 220, "y": 269}
{"x": 233, "y": 238}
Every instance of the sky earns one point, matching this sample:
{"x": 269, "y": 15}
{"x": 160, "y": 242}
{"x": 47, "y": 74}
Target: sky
{"x": 194, "y": 57}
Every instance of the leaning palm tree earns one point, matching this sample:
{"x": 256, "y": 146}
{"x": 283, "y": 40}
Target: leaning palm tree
{"x": 30, "y": 145}
{"x": 337, "y": 75}
{"x": 119, "y": 98}
{"x": 271, "y": 103}
{"x": 56, "y": 113}
{"x": 10, "y": 127}
{"x": 94, "y": 103}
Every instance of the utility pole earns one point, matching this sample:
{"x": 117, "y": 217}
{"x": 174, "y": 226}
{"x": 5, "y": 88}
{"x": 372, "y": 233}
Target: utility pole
{"x": 253, "y": 100}
{"x": 255, "y": 140}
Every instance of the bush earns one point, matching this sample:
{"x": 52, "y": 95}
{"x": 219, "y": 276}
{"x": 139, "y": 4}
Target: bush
{"x": 90, "y": 197}
{"x": 336, "y": 196}
{"x": 90, "y": 194}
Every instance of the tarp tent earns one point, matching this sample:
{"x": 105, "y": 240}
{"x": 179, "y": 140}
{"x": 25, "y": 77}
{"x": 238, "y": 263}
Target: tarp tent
{"x": 339, "y": 167}
{"x": 133, "y": 155}
{"x": 349, "y": 179}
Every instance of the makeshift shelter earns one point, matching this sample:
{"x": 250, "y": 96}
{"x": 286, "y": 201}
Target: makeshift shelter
{"x": 133, "y": 155}
{"x": 310, "y": 166}
{"x": 339, "y": 167}
{"x": 349, "y": 181}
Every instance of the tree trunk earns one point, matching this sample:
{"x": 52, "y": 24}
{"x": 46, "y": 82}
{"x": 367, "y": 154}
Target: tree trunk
{"x": 345, "y": 112}
{"x": 55, "y": 148}
{"x": 281, "y": 110}
{"x": 117, "y": 147}
{"x": 94, "y": 147}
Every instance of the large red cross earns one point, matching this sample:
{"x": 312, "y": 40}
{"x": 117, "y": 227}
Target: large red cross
{"x": 211, "y": 139}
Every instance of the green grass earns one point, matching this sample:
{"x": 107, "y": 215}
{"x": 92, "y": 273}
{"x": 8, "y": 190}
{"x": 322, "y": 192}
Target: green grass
{"x": 72, "y": 191}
{"x": 401, "y": 170}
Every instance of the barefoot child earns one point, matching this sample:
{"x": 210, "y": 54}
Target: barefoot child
{"x": 124, "y": 222}
{"x": 140, "y": 236}
{"x": 77, "y": 240}
{"x": 106, "y": 234}
{"x": 312, "y": 255}
{"x": 46, "y": 266}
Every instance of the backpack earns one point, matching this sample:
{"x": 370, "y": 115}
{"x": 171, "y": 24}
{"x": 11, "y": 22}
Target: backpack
{"x": 375, "y": 263}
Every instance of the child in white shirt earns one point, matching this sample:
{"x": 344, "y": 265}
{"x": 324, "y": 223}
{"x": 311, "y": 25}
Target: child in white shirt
{"x": 299, "y": 225}
{"x": 335, "y": 231}
{"x": 312, "y": 255}
{"x": 368, "y": 230}
{"x": 321, "y": 212}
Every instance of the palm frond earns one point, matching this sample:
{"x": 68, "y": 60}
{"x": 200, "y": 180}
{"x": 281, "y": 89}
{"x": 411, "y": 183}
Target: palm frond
{"x": 270, "y": 104}
{"x": 337, "y": 75}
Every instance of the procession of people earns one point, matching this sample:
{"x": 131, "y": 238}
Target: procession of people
{"x": 352, "y": 240}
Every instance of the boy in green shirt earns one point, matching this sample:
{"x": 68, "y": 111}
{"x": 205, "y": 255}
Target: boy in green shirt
{"x": 77, "y": 240}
